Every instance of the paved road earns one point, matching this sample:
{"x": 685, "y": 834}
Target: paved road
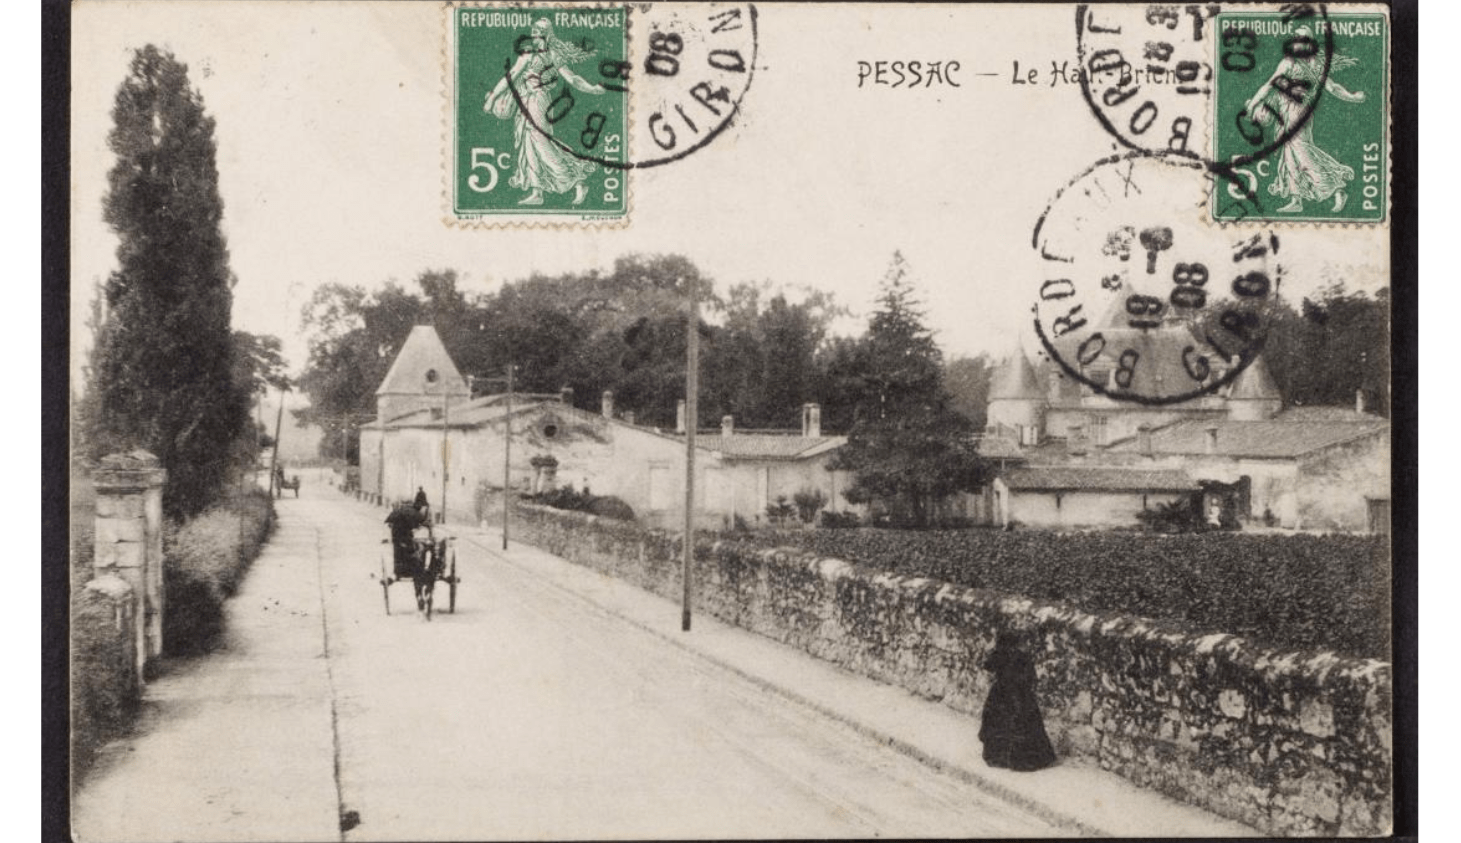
{"x": 530, "y": 713}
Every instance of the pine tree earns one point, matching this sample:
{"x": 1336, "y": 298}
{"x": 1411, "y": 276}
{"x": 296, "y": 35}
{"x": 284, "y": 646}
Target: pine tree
{"x": 908, "y": 449}
{"x": 162, "y": 365}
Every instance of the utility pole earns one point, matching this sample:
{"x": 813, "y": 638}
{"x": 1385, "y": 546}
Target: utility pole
{"x": 507, "y": 459}
{"x": 445, "y": 445}
{"x": 692, "y": 391}
{"x": 274, "y": 459}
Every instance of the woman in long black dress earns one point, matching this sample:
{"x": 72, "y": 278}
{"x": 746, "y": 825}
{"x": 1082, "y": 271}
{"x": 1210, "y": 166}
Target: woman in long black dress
{"x": 1011, "y": 728}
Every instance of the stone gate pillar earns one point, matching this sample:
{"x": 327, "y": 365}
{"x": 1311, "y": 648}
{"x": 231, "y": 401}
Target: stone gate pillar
{"x": 129, "y": 539}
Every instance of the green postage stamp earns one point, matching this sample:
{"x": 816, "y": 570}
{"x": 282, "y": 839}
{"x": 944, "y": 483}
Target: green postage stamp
{"x": 539, "y": 113}
{"x": 1301, "y": 117}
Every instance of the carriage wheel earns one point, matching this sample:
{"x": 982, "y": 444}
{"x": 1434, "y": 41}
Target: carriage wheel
{"x": 451, "y": 603}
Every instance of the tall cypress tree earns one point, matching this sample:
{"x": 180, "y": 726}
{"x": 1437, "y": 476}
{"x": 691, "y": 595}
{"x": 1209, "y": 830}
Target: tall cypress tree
{"x": 162, "y": 365}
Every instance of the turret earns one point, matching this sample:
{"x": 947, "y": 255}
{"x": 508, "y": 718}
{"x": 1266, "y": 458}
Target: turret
{"x": 1015, "y": 398}
{"x": 422, "y": 376}
{"x": 1254, "y": 396}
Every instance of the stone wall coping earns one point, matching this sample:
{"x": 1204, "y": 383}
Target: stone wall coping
{"x": 112, "y": 481}
{"x": 111, "y": 586}
{"x": 1320, "y": 667}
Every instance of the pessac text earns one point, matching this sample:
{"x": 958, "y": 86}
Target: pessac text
{"x": 907, "y": 74}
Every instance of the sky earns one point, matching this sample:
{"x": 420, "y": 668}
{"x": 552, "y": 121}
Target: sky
{"x": 333, "y": 132}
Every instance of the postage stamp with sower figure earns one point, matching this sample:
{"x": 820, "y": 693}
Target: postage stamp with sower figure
{"x": 537, "y": 102}
{"x": 1319, "y": 83}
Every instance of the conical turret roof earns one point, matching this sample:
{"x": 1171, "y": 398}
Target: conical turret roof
{"x": 1015, "y": 379}
{"x": 1255, "y": 384}
{"x": 423, "y": 367}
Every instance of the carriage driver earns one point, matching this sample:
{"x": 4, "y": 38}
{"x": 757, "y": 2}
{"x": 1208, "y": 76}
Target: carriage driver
{"x": 403, "y": 521}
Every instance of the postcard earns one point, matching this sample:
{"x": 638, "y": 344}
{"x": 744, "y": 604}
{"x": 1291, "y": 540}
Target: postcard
{"x": 554, "y": 420}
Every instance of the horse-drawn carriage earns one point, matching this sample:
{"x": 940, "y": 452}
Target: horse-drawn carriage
{"x": 281, "y": 483}
{"x": 424, "y": 562}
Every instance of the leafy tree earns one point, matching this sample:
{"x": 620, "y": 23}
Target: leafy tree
{"x": 258, "y": 362}
{"x": 354, "y": 338}
{"x": 623, "y": 330}
{"x": 908, "y": 449}
{"x": 762, "y": 364}
{"x": 966, "y": 380}
{"x": 162, "y": 365}
{"x": 1332, "y": 345}
{"x": 842, "y": 382}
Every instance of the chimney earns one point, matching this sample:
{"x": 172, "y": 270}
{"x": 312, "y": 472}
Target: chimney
{"x": 812, "y": 420}
{"x": 1359, "y": 401}
{"x": 1212, "y": 432}
{"x": 565, "y": 396}
{"x": 608, "y": 404}
{"x": 680, "y": 416}
{"x": 629, "y": 417}
{"x": 727, "y": 426}
{"x": 1144, "y": 439}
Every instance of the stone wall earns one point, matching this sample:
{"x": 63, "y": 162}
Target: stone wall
{"x": 1290, "y": 743}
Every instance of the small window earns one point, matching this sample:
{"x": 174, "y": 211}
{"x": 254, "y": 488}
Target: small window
{"x": 431, "y": 376}
{"x": 550, "y": 430}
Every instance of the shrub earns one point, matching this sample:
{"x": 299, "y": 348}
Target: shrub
{"x": 611, "y": 507}
{"x": 1174, "y": 517}
{"x": 103, "y": 688}
{"x": 607, "y": 506}
{"x": 840, "y": 520}
{"x": 780, "y": 510}
{"x": 203, "y": 560}
{"x": 565, "y": 498}
{"x": 808, "y": 503}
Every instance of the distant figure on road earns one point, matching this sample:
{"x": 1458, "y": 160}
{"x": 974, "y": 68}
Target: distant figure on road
{"x": 403, "y": 522}
{"x": 1011, "y": 728}
{"x": 422, "y": 505}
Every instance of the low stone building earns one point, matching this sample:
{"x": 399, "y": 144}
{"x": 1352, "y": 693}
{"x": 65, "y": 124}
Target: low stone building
{"x": 546, "y": 442}
{"x": 1072, "y": 497}
{"x": 1318, "y": 468}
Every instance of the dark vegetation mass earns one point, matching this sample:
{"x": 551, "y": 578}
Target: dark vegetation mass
{"x": 1305, "y": 592}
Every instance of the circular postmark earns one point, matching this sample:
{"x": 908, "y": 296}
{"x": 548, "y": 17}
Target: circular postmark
{"x": 1138, "y": 299}
{"x": 1149, "y": 75}
{"x": 687, "y": 70}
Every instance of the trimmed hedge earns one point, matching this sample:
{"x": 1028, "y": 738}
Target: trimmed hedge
{"x": 1307, "y": 592}
{"x": 203, "y": 561}
{"x": 103, "y": 686}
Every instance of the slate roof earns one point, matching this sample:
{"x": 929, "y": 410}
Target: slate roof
{"x": 998, "y": 448}
{"x": 470, "y": 413}
{"x": 421, "y": 353}
{"x": 1324, "y": 414}
{"x": 1283, "y": 437}
{"x": 768, "y": 446}
{"x": 1160, "y": 371}
{"x": 1061, "y": 478}
{"x": 1254, "y": 383}
{"x": 1015, "y": 379}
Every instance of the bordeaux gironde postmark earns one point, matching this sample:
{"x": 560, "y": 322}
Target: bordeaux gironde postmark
{"x": 540, "y": 112}
{"x": 1320, "y": 85}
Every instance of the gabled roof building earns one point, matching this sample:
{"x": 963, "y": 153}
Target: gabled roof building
{"x": 431, "y": 433}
